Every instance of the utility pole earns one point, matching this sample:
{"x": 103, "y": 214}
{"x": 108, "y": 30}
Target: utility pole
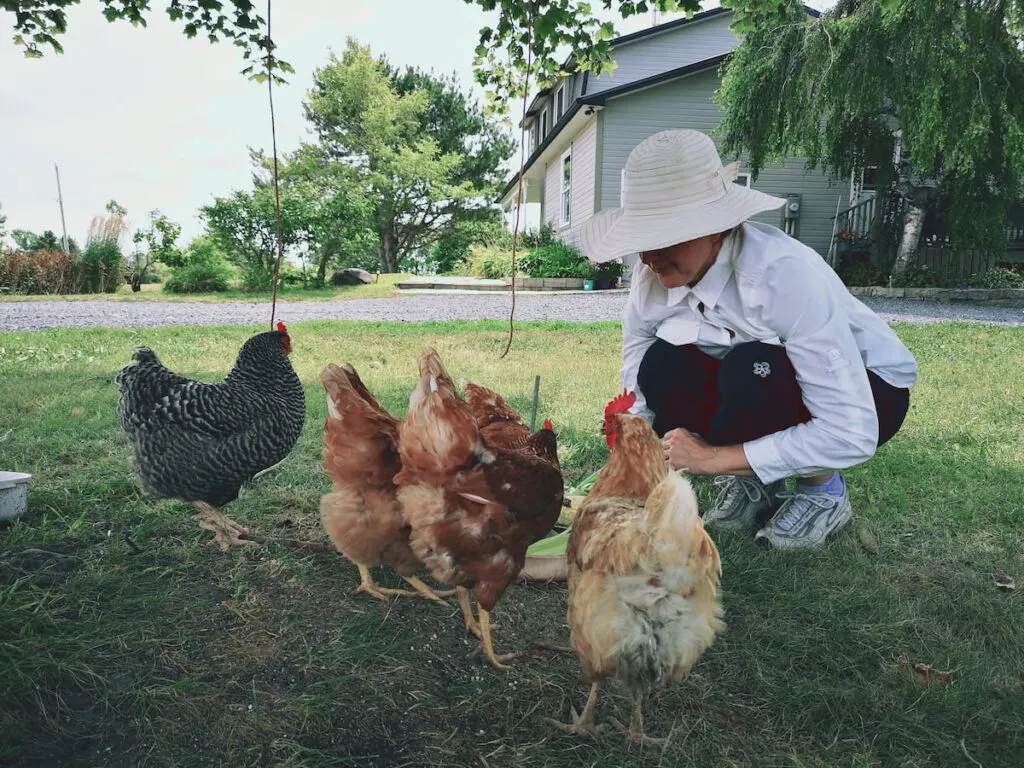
{"x": 60, "y": 200}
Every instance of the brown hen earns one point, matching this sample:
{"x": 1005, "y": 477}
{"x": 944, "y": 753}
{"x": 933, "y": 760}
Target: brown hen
{"x": 473, "y": 509}
{"x": 361, "y": 514}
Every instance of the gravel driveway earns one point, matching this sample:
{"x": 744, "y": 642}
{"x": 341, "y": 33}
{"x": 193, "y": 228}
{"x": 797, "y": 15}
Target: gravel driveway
{"x": 575, "y": 308}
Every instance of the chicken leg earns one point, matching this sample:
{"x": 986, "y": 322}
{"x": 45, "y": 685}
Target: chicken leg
{"x": 635, "y": 732}
{"x": 226, "y": 532}
{"x": 370, "y": 587}
{"x": 582, "y": 723}
{"x": 482, "y": 629}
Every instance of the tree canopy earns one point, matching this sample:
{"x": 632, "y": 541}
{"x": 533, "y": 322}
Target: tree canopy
{"x": 39, "y": 24}
{"x": 536, "y": 37}
{"x": 927, "y": 90}
{"x": 417, "y": 146}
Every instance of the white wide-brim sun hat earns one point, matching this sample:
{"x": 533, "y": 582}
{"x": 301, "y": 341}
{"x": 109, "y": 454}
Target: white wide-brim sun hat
{"x": 674, "y": 190}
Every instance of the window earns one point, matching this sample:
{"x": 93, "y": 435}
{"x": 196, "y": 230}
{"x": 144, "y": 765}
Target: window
{"x": 533, "y": 136}
{"x": 543, "y": 124}
{"x": 566, "y": 187}
{"x": 560, "y": 102}
{"x": 742, "y": 179}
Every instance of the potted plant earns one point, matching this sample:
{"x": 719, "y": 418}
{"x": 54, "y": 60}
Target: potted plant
{"x": 607, "y": 275}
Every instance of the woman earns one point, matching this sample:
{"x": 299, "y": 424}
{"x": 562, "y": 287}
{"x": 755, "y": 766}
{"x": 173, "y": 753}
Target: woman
{"x": 746, "y": 351}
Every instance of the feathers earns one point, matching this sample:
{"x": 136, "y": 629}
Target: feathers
{"x": 362, "y": 514}
{"x": 643, "y": 573}
{"x": 198, "y": 441}
{"x": 473, "y": 505}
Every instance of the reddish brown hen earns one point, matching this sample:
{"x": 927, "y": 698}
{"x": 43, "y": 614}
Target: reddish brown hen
{"x": 361, "y": 514}
{"x": 473, "y": 509}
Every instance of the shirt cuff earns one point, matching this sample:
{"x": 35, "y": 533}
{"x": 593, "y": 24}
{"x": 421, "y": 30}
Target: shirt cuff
{"x": 763, "y": 457}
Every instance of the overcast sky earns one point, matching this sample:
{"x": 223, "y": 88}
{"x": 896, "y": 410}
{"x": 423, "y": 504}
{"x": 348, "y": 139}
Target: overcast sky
{"x": 152, "y": 119}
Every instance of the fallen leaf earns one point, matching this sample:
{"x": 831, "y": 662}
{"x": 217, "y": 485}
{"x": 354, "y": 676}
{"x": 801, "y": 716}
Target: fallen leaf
{"x": 1003, "y": 581}
{"x": 867, "y": 540}
{"x": 77, "y": 413}
{"x": 923, "y": 673}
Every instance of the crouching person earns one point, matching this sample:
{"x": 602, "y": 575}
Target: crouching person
{"x": 746, "y": 351}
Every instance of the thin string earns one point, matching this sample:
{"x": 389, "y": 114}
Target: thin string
{"x": 277, "y": 190}
{"x": 519, "y": 184}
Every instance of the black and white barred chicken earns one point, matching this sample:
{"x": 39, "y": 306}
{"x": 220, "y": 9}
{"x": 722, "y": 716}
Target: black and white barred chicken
{"x": 202, "y": 442}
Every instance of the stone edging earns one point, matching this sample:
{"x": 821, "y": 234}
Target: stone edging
{"x": 991, "y": 297}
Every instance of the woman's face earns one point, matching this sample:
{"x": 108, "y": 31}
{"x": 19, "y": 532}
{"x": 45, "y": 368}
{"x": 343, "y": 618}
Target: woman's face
{"x": 684, "y": 263}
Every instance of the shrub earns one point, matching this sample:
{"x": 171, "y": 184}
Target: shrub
{"x": 202, "y": 269}
{"x": 36, "y": 272}
{"x": 452, "y": 248}
{"x": 200, "y": 277}
{"x": 923, "y": 276}
{"x": 533, "y": 238}
{"x": 862, "y": 273}
{"x": 490, "y": 262}
{"x": 997, "y": 277}
{"x": 558, "y": 259}
{"x": 100, "y": 268}
{"x": 256, "y": 279}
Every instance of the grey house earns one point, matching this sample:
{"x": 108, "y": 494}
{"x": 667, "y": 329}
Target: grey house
{"x": 581, "y": 130}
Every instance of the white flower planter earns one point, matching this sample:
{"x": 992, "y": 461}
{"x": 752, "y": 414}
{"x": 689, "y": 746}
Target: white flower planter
{"x": 13, "y": 494}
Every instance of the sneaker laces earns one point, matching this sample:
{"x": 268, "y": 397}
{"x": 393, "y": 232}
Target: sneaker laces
{"x": 734, "y": 485}
{"x": 791, "y": 512}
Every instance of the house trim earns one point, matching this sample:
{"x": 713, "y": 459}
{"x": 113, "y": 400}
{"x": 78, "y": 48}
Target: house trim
{"x": 597, "y": 101}
{"x": 565, "y": 206}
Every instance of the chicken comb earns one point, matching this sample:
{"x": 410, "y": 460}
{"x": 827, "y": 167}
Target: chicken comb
{"x": 620, "y": 404}
{"x": 548, "y": 425}
{"x": 281, "y": 327}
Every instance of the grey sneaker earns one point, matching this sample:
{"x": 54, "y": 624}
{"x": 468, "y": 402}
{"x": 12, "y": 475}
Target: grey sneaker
{"x": 806, "y": 520}
{"x": 739, "y": 502}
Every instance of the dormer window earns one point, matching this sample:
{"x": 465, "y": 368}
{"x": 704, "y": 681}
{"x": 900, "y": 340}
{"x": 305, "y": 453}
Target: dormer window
{"x": 560, "y": 102}
{"x": 543, "y": 124}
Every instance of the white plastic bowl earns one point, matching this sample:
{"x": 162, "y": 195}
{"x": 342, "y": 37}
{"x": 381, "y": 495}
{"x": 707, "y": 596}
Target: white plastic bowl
{"x": 13, "y": 494}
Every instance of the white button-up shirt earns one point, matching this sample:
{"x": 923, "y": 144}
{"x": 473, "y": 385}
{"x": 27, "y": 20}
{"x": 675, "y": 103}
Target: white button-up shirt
{"x": 765, "y": 286}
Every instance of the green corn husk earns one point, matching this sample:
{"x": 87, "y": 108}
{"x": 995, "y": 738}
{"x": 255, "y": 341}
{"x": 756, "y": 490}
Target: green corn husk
{"x": 555, "y": 544}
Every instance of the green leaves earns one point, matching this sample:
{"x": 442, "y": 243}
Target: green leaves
{"x": 38, "y": 23}
{"x": 419, "y": 149}
{"x": 837, "y": 89}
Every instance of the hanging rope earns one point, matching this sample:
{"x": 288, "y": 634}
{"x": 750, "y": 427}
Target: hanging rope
{"x": 519, "y": 183}
{"x": 277, "y": 190}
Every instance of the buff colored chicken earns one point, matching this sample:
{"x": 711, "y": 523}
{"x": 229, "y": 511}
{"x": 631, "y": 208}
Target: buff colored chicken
{"x": 361, "y": 514}
{"x": 643, "y": 574}
{"x": 472, "y": 509}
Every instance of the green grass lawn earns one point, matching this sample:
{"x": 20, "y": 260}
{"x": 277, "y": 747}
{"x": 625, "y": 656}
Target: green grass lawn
{"x": 142, "y": 646}
{"x": 382, "y": 288}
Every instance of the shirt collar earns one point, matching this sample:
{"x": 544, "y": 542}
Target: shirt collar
{"x": 710, "y": 287}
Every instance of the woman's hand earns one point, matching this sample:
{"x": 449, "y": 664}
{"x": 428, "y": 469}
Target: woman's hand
{"x": 689, "y": 452}
{"x": 692, "y": 454}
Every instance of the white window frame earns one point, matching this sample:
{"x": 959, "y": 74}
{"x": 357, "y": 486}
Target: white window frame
{"x": 560, "y": 102}
{"x": 533, "y": 136}
{"x": 544, "y": 127}
{"x": 565, "y": 191}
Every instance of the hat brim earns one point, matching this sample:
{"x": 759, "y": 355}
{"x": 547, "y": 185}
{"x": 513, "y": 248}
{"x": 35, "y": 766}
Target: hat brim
{"x": 614, "y": 234}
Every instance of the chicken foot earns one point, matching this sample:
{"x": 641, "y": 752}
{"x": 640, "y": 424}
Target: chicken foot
{"x": 226, "y": 532}
{"x": 582, "y": 723}
{"x": 370, "y": 587}
{"x": 482, "y": 629}
{"x": 635, "y": 732}
{"x": 427, "y": 592}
